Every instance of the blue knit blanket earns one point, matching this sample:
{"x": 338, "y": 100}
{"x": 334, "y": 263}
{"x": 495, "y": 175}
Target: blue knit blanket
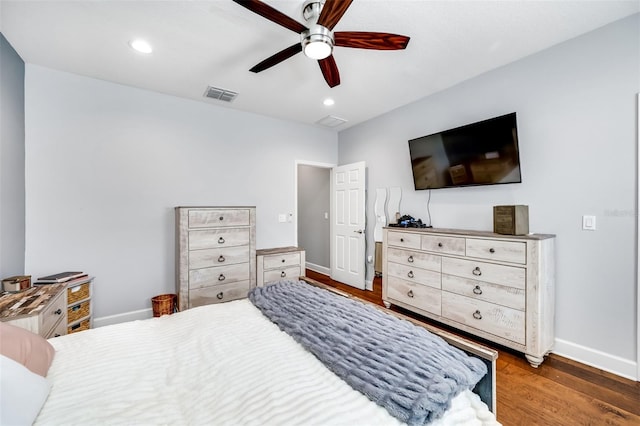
{"x": 409, "y": 371}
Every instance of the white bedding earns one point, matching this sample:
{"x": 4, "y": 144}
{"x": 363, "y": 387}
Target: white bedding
{"x": 223, "y": 364}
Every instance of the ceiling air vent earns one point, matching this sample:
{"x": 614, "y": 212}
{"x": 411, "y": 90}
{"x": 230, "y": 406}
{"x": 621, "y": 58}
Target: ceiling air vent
{"x": 331, "y": 121}
{"x": 220, "y": 94}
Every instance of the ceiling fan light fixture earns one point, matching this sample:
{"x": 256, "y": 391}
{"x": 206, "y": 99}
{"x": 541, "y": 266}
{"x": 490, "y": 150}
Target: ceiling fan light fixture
{"x": 317, "y": 42}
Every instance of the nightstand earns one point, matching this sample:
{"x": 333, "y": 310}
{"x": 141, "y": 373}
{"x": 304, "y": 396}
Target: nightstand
{"x": 41, "y": 309}
{"x": 280, "y": 263}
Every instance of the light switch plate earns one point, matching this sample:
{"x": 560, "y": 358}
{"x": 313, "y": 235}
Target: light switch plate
{"x": 589, "y": 223}
{"x": 282, "y": 218}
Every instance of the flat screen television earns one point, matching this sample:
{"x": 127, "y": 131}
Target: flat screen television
{"x": 482, "y": 153}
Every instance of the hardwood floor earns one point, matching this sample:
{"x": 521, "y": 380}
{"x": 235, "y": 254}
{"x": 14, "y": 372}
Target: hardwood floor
{"x": 559, "y": 392}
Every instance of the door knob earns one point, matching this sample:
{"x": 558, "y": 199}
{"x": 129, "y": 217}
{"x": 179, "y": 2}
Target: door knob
{"x": 359, "y": 231}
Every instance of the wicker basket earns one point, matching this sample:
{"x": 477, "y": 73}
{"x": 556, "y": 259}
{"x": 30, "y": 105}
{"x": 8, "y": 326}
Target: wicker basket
{"x": 77, "y": 293}
{"x": 75, "y": 312}
{"x": 82, "y": 325}
{"x": 164, "y": 304}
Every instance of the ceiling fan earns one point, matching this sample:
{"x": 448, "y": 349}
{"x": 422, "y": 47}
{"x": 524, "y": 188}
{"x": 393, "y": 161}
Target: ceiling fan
{"x": 317, "y": 38}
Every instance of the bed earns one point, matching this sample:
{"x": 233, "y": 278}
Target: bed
{"x": 226, "y": 364}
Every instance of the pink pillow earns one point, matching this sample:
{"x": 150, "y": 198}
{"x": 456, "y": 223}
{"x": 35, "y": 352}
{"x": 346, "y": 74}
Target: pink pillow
{"x": 27, "y": 348}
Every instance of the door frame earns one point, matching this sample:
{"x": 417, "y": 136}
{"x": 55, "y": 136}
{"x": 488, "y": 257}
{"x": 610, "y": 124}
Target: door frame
{"x": 295, "y": 194}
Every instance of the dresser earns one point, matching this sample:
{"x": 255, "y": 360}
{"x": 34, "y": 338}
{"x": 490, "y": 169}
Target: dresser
{"x": 281, "y": 263}
{"x": 215, "y": 254}
{"x": 497, "y": 287}
{"x": 41, "y": 310}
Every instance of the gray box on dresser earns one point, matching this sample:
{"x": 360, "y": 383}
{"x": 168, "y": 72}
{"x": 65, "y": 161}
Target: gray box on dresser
{"x": 500, "y": 288}
{"x": 215, "y": 254}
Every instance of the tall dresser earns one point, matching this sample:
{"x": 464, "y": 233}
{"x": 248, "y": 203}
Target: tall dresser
{"x": 215, "y": 254}
{"x": 497, "y": 287}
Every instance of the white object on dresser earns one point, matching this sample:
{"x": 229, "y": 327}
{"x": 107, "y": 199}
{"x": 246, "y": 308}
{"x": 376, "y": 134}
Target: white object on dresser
{"x": 40, "y": 309}
{"x": 500, "y": 288}
{"x": 215, "y": 254}
{"x": 280, "y": 263}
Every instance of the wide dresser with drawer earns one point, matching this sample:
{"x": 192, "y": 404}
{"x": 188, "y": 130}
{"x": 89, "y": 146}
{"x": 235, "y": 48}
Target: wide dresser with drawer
{"x": 497, "y": 287}
{"x": 215, "y": 254}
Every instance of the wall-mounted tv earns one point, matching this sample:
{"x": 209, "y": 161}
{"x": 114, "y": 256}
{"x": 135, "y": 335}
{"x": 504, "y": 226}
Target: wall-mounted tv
{"x": 482, "y": 153}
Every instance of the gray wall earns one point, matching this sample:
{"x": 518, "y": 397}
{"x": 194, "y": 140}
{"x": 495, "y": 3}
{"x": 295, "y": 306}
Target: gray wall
{"x": 106, "y": 164}
{"x": 313, "y": 202}
{"x": 577, "y": 130}
{"x": 12, "y": 189}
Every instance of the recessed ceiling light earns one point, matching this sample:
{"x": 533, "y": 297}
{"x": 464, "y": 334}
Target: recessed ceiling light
{"x": 328, "y": 102}
{"x": 141, "y": 46}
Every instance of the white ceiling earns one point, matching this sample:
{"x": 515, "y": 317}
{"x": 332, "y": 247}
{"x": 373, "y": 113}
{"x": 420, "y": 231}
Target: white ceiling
{"x": 201, "y": 43}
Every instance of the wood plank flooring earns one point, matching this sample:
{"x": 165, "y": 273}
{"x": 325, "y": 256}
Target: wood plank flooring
{"x": 560, "y": 392}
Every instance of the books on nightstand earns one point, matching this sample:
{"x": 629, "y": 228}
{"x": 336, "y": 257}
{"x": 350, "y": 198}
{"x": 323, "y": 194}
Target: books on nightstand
{"x": 62, "y": 277}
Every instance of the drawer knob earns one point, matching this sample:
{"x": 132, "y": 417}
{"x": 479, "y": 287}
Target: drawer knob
{"x": 221, "y": 277}
{"x": 410, "y": 293}
{"x": 57, "y": 335}
{"x": 221, "y": 218}
{"x": 440, "y": 245}
{"x": 221, "y": 259}
{"x": 283, "y": 274}
{"x": 410, "y": 259}
{"x": 220, "y": 240}
{"x": 282, "y": 260}
{"x": 220, "y": 296}
{"x": 477, "y": 290}
{"x": 410, "y": 274}
{"x": 402, "y": 240}
{"x": 492, "y": 250}
{"x": 477, "y": 315}
{"x": 477, "y": 272}
{"x": 58, "y": 311}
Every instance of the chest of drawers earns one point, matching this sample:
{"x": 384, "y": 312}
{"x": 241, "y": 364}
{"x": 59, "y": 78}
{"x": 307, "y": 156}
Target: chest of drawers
{"x": 500, "y": 288}
{"x": 282, "y": 263}
{"x": 41, "y": 310}
{"x": 215, "y": 254}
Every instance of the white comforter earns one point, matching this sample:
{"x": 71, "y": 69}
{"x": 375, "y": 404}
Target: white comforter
{"x": 224, "y": 365}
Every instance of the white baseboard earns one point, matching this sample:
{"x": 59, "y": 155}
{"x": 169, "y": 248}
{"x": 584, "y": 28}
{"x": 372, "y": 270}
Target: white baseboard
{"x": 368, "y": 285}
{"x": 319, "y": 269}
{"x": 124, "y": 317}
{"x": 604, "y": 361}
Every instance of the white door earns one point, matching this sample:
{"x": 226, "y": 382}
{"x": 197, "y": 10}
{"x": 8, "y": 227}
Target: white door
{"x": 348, "y": 224}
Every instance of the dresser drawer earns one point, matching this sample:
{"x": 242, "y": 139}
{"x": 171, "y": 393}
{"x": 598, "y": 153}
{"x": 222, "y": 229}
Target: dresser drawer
{"x": 441, "y": 244}
{"x": 212, "y": 238}
{"x": 51, "y": 314}
{"x": 219, "y": 293}
{"x": 506, "y": 251}
{"x": 403, "y": 239}
{"x": 510, "y": 276}
{"x": 413, "y": 274}
{"x": 219, "y": 218}
{"x": 218, "y": 275}
{"x": 59, "y": 329}
{"x": 218, "y": 257}
{"x": 417, "y": 295}
{"x": 494, "y": 319}
{"x": 414, "y": 258}
{"x": 290, "y": 273}
{"x": 282, "y": 260}
{"x": 506, "y": 296}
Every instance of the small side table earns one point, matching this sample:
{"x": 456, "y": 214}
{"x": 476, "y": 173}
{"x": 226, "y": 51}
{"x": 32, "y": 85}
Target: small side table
{"x": 40, "y": 309}
{"x": 280, "y": 263}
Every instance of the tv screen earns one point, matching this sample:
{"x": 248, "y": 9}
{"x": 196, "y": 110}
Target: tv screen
{"x": 482, "y": 153}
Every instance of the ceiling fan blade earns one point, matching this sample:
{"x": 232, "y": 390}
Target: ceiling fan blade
{"x": 277, "y": 58}
{"x": 370, "y": 40}
{"x": 272, "y": 14}
{"x": 332, "y": 11}
{"x": 330, "y": 71}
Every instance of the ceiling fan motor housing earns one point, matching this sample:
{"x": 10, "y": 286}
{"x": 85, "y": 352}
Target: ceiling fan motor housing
{"x": 317, "y": 40}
